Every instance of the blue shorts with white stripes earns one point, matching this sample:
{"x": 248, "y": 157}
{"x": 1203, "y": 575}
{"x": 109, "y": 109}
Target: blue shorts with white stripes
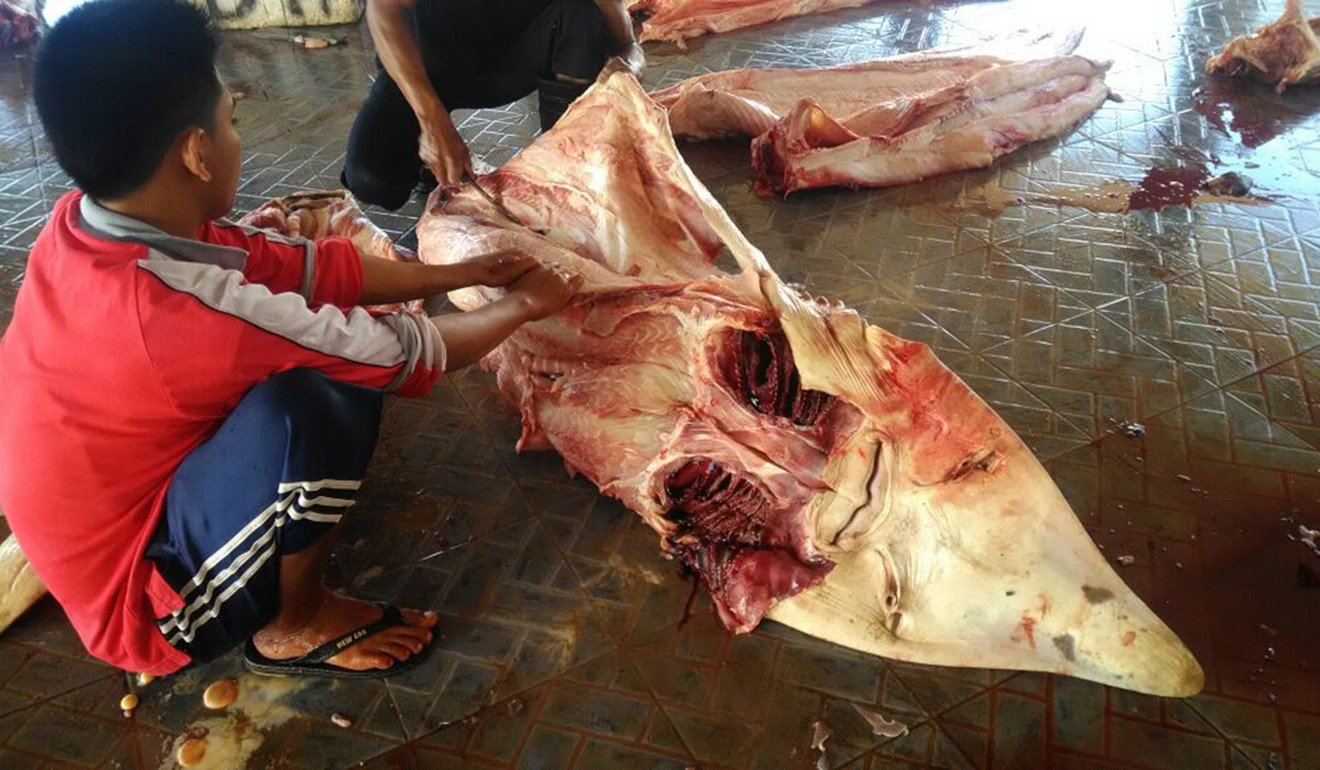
{"x": 279, "y": 475}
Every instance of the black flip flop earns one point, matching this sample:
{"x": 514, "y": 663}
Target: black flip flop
{"x": 314, "y": 662}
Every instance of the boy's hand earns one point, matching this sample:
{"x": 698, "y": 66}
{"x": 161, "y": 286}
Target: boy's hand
{"x": 544, "y": 290}
{"x": 536, "y": 294}
{"x": 499, "y": 268}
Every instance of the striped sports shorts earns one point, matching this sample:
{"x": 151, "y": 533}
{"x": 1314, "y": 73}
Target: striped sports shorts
{"x": 278, "y": 476}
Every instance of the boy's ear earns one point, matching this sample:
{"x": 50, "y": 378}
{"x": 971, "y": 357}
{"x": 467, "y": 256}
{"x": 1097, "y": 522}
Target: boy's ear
{"x": 196, "y": 145}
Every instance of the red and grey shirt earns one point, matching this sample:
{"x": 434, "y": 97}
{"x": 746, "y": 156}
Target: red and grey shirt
{"x": 128, "y": 348}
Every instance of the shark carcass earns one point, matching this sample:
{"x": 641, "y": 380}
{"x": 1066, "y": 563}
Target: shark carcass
{"x": 679, "y": 20}
{"x": 805, "y": 465}
{"x": 895, "y": 120}
{"x": 1284, "y": 52}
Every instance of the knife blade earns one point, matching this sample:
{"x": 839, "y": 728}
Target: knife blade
{"x": 500, "y": 206}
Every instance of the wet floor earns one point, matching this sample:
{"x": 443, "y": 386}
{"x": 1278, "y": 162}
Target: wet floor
{"x": 562, "y": 645}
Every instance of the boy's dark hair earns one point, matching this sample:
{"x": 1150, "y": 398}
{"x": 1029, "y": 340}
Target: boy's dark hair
{"x": 117, "y": 80}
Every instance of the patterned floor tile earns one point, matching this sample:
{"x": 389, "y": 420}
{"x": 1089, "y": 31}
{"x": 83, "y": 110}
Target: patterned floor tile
{"x": 1095, "y": 262}
{"x": 1096, "y": 372}
{"x": 506, "y": 625}
{"x": 1288, "y": 393}
{"x": 1200, "y": 506}
{"x": 567, "y": 640}
{"x": 984, "y": 298}
{"x": 599, "y": 710}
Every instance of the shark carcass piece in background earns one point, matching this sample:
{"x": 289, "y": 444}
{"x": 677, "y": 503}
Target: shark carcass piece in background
{"x": 896, "y": 120}
{"x": 805, "y": 465}
{"x": 678, "y": 20}
{"x": 18, "y": 24}
{"x": 1284, "y": 52}
{"x": 321, "y": 214}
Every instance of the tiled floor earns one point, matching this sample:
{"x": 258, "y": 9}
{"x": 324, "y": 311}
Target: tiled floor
{"x": 562, "y": 644}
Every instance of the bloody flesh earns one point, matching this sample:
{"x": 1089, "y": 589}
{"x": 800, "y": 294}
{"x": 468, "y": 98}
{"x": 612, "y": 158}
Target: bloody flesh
{"x": 726, "y": 536}
{"x": 806, "y": 465}
{"x": 678, "y": 20}
{"x": 1284, "y": 52}
{"x": 708, "y": 500}
{"x": 759, "y": 366}
{"x": 896, "y": 120}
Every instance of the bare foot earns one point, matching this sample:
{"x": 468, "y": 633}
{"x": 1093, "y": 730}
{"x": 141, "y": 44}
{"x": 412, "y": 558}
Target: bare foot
{"x": 337, "y": 616}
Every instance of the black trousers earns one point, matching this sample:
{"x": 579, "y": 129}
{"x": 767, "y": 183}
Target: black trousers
{"x": 568, "y": 38}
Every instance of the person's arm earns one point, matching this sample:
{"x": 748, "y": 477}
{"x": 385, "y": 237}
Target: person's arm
{"x": 326, "y": 271}
{"x": 211, "y": 333}
{"x": 536, "y": 294}
{"x": 385, "y": 280}
{"x": 392, "y": 31}
{"x": 628, "y": 53}
{"x": 472, "y": 334}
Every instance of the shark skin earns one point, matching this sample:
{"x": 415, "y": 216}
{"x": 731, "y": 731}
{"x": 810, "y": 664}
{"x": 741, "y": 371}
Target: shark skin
{"x": 805, "y": 465}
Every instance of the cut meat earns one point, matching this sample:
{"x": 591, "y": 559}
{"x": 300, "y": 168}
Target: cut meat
{"x": 323, "y": 213}
{"x": 1283, "y": 53}
{"x": 678, "y": 20}
{"x": 895, "y": 120}
{"x": 804, "y": 465}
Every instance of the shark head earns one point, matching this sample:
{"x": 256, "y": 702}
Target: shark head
{"x": 951, "y": 544}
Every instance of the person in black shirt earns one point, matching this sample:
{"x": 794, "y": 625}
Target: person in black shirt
{"x": 440, "y": 55}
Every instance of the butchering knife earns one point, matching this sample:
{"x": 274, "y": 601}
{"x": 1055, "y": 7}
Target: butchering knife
{"x": 500, "y": 206}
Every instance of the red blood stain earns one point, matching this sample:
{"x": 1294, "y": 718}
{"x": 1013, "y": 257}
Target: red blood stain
{"x": 1029, "y": 628}
{"x": 1233, "y": 109}
{"x": 1164, "y": 187}
{"x": 1128, "y": 638}
{"x": 908, "y": 351}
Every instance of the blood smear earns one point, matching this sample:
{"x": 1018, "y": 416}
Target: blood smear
{"x": 1163, "y": 187}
